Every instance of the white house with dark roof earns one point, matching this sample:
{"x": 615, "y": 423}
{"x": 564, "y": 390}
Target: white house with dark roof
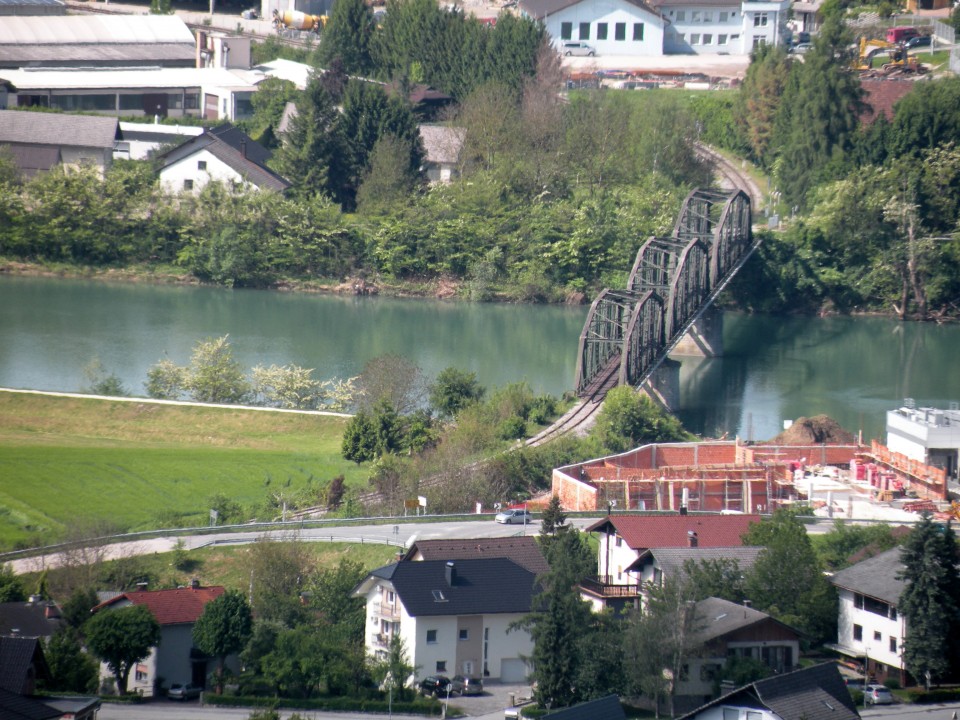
{"x": 454, "y": 617}
{"x": 443, "y": 149}
{"x": 814, "y": 693}
{"x": 663, "y": 27}
{"x": 870, "y": 630}
{"x": 221, "y": 154}
{"x": 42, "y": 141}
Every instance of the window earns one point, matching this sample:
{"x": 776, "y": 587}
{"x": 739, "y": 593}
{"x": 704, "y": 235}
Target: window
{"x": 201, "y": 164}
{"x": 638, "y": 32}
{"x": 735, "y": 36}
{"x": 566, "y": 31}
{"x": 131, "y": 102}
{"x": 390, "y": 597}
{"x": 431, "y": 637}
{"x": 893, "y": 613}
{"x": 619, "y": 541}
{"x": 723, "y": 15}
{"x": 601, "y": 31}
{"x": 620, "y": 31}
{"x": 584, "y": 31}
{"x": 695, "y": 16}
{"x": 858, "y": 601}
{"x": 709, "y": 671}
{"x": 681, "y": 15}
{"x": 858, "y": 633}
{"x": 707, "y": 16}
{"x": 877, "y": 636}
{"x": 721, "y": 39}
{"x": 708, "y": 39}
{"x": 731, "y": 714}
{"x": 191, "y": 101}
{"x": 695, "y": 38}
{"x": 441, "y": 666}
{"x": 753, "y": 715}
{"x": 893, "y": 644}
{"x": 464, "y": 634}
{"x": 619, "y": 571}
{"x": 188, "y": 184}
{"x": 760, "y": 19}
{"x": 759, "y": 41}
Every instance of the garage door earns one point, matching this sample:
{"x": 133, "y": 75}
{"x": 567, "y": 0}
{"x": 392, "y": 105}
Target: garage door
{"x": 513, "y": 670}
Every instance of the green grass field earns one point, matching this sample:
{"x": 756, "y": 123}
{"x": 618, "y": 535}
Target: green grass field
{"x": 68, "y": 462}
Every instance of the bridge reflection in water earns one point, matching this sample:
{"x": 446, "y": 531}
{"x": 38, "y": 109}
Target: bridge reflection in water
{"x": 629, "y": 333}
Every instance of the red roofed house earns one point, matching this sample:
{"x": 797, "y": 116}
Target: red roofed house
{"x": 623, "y": 538}
{"x": 174, "y": 660}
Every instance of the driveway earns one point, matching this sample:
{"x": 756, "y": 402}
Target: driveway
{"x": 496, "y": 696}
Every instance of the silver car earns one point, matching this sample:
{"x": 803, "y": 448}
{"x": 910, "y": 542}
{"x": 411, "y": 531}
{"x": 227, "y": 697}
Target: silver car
{"x": 577, "y": 48}
{"x": 509, "y": 517}
{"x": 878, "y": 695}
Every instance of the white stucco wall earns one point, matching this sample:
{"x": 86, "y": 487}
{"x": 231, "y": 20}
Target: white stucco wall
{"x": 619, "y": 559}
{"x": 715, "y": 712}
{"x": 758, "y": 30}
{"x": 878, "y": 650}
{"x": 705, "y": 30}
{"x": 173, "y": 176}
{"x": 609, "y": 12}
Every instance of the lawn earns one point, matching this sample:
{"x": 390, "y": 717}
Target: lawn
{"x": 66, "y": 462}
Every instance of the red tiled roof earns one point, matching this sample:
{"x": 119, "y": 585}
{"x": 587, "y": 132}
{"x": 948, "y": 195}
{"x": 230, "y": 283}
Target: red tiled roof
{"x": 171, "y": 607}
{"x": 880, "y": 95}
{"x": 666, "y": 531}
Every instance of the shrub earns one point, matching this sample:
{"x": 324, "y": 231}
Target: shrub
{"x": 512, "y": 428}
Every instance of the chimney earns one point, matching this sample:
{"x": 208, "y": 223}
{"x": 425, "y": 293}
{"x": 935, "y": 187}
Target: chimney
{"x": 692, "y": 539}
{"x": 194, "y": 583}
{"x": 243, "y": 149}
{"x": 34, "y": 599}
{"x": 142, "y": 586}
{"x": 51, "y": 612}
{"x": 451, "y": 573}
{"x": 747, "y": 603}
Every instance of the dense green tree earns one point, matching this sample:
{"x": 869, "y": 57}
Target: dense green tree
{"x": 76, "y": 610}
{"x": 928, "y": 600}
{"x": 659, "y": 641}
{"x": 557, "y": 626}
{"x": 330, "y": 593}
{"x": 121, "y": 638}
{"x": 453, "y": 390}
{"x": 269, "y": 102}
{"x": 312, "y": 154}
{"x": 836, "y": 547}
{"x": 759, "y": 99}
{"x": 715, "y": 577}
{"x": 359, "y": 439}
{"x": 553, "y": 519}
{"x": 72, "y": 670}
{"x": 925, "y": 118}
{"x": 347, "y": 36}
{"x": 309, "y": 659}
{"x": 629, "y": 419}
{"x": 215, "y": 377}
{"x": 392, "y": 378}
{"x": 11, "y": 586}
{"x": 388, "y": 178}
{"x": 223, "y": 629}
{"x": 393, "y": 670}
{"x": 787, "y": 579}
{"x": 278, "y": 573}
{"x": 819, "y": 113}
{"x": 602, "y": 651}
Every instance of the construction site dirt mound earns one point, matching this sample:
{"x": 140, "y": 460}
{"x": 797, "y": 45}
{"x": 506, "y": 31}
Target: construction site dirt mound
{"x": 814, "y": 431}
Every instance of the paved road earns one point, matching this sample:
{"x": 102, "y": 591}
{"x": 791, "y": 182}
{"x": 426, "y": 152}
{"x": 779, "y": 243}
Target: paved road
{"x": 940, "y": 711}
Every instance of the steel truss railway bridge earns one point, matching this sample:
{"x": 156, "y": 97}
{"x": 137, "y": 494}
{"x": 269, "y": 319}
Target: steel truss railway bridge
{"x": 629, "y": 333}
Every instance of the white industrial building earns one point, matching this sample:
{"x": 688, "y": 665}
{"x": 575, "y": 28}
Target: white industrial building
{"x": 927, "y": 435}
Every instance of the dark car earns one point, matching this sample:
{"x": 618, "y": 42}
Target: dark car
{"x": 467, "y": 685}
{"x": 920, "y": 41}
{"x": 435, "y": 685}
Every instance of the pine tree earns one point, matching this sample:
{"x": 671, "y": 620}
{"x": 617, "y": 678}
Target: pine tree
{"x": 347, "y": 36}
{"x": 928, "y": 601}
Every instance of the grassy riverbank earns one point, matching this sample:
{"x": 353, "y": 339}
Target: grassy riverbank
{"x": 66, "y": 463}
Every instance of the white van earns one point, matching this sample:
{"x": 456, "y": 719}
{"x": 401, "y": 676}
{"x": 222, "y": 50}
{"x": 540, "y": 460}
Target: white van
{"x": 577, "y": 48}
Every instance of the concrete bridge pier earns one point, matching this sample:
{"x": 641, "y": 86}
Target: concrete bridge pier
{"x": 663, "y": 385}
{"x": 705, "y": 337}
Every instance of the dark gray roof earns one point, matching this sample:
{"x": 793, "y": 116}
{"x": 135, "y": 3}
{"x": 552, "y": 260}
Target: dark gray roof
{"x": 523, "y": 550}
{"x": 16, "y": 3}
{"x": 875, "y": 577}
{"x": 235, "y": 148}
{"x": 17, "y": 655}
{"x": 716, "y": 618}
{"x": 62, "y": 130}
{"x": 606, "y": 708}
{"x": 14, "y": 706}
{"x": 127, "y": 55}
{"x": 29, "y": 619}
{"x": 813, "y": 693}
{"x": 672, "y": 560}
{"x": 481, "y": 587}
{"x": 539, "y": 9}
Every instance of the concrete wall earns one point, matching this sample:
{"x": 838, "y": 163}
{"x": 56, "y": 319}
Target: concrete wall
{"x": 173, "y": 176}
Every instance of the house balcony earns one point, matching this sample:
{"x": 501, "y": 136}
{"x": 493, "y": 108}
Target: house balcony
{"x": 603, "y": 586}
{"x": 384, "y": 610}
{"x": 380, "y": 640}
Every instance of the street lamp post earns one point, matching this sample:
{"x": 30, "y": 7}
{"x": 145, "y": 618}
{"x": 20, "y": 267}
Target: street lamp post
{"x": 866, "y": 673}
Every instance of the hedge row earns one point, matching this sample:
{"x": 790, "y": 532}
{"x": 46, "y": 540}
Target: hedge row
{"x": 938, "y": 695}
{"x": 419, "y": 706}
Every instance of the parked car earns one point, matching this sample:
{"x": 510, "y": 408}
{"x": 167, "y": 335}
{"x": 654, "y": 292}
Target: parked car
{"x": 801, "y": 49}
{"x": 467, "y": 685}
{"x": 179, "y": 691}
{"x": 901, "y": 34}
{"x": 434, "y": 685}
{"x": 509, "y": 517}
{"x": 854, "y": 684}
{"x": 577, "y": 48}
{"x": 920, "y": 41}
{"x": 878, "y": 695}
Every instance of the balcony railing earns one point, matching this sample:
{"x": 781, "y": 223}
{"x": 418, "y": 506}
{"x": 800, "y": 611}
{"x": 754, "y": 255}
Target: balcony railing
{"x": 602, "y": 585}
{"x": 386, "y": 611}
{"x": 381, "y": 640}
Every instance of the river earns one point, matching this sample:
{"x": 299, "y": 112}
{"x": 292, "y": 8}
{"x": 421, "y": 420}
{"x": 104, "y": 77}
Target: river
{"x": 773, "y": 369}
